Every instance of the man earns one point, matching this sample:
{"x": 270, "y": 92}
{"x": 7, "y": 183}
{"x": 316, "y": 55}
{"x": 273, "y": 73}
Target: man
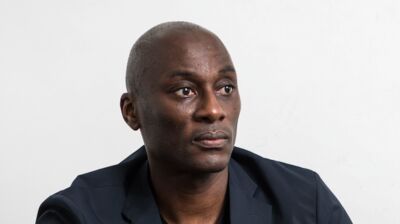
{"x": 182, "y": 94}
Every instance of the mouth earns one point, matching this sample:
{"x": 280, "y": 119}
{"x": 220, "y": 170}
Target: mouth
{"x": 211, "y": 139}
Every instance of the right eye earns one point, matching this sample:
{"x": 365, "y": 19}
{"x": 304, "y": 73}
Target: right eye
{"x": 185, "y": 92}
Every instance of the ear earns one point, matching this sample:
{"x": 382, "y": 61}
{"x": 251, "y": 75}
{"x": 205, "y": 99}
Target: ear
{"x": 129, "y": 111}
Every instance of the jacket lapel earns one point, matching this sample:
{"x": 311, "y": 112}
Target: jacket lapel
{"x": 140, "y": 206}
{"x": 246, "y": 203}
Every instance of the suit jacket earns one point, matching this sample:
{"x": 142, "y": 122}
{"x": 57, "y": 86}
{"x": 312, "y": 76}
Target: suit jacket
{"x": 260, "y": 191}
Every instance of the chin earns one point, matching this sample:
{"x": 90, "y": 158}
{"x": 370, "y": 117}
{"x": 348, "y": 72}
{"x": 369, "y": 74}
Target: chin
{"x": 211, "y": 165}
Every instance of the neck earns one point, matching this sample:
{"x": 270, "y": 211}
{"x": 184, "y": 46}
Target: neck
{"x": 188, "y": 197}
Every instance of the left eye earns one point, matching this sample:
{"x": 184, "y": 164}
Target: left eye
{"x": 226, "y": 90}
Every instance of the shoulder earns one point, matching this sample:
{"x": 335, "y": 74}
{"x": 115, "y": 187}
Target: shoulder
{"x": 297, "y": 192}
{"x": 112, "y": 176}
{"x": 286, "y": 182}
{"x": 92, "y": 193}
{"x": 277, "y": 172}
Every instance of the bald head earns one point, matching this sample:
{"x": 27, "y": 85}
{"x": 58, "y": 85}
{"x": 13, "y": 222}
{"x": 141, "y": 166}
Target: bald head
{"x": 145, "y": 52}
{"x": 181, "y": 84}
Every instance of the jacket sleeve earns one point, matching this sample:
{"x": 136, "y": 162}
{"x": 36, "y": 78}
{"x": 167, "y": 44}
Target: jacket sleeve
{"x": 51, "y": 217}
{"x": 329, "y": 210}
{"x": 58, "y": 209}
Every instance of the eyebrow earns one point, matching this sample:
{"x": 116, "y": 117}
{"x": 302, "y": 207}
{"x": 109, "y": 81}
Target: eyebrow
{"x": 186, "y": 74}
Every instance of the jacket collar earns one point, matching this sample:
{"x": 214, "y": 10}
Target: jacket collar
{"x": 140, "y": 206}
{"x": 247, "y": 203}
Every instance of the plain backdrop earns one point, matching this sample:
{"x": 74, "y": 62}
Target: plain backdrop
{"x": 319, "y": 81}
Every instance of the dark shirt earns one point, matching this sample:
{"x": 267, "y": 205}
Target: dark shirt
{"x": 260, "y": 191}
{"x": 223, "y": 220}
{"x": 224, "y": 217}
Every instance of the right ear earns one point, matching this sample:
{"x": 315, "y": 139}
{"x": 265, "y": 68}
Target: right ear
{"x": 129, "y": 111}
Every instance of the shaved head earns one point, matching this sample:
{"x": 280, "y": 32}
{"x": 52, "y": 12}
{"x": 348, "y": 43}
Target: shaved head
{"x": 181, "y": 84}
{"x": 143, "y": 55}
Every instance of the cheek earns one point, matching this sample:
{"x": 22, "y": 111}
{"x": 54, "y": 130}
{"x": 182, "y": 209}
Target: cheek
{"x": 176, "y": 114}
{"x": 166, "y": 119}
{"x": 178, "y": 118}
{"x": 232, "y": 107}
{"x": 237, "y": 109}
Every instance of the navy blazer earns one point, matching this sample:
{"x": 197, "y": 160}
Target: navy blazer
{"x": 260, "y": 191}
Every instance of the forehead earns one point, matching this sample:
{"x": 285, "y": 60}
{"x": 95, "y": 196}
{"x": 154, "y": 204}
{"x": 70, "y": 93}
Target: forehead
{"x": 196, "y": 51}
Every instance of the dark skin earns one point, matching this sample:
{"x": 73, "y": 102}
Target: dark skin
{"x": 187, "y": 111}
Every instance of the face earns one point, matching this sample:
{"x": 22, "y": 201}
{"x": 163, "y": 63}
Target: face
{"x": 188, "y": 107}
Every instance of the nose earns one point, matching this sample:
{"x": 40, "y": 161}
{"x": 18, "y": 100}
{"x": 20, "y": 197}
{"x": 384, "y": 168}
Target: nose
{"x": 209, "y": 109}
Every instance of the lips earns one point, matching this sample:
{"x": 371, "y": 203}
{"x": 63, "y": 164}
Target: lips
{"x": 211, "y": 139}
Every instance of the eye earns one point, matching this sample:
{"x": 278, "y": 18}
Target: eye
{"x": 226, "y": 90}
{"x": 185, "y": 92}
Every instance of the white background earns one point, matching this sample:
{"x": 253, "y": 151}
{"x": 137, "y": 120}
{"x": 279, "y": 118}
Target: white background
{"x": 319, "y": 80}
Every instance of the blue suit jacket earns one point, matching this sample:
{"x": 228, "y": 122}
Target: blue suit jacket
{"x": 260, "y": 191}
